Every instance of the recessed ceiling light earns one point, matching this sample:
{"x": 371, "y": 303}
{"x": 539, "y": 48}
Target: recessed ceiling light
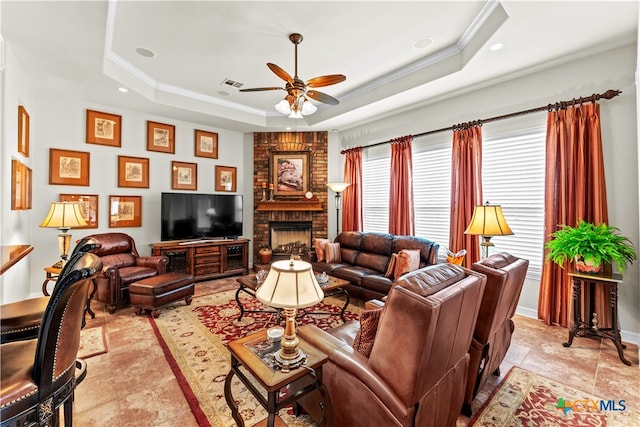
{"x": 123, "y": 89}
{"x": 287, "y": 128}
{"x": 147, "y": 53}
{"x": 496, "y": 46}
{"x": 423, "y": 43}
{"x": 223, "y": 93}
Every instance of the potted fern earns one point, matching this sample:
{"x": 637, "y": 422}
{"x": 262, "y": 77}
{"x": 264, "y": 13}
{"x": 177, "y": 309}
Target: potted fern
{"x": 589, "y": 246}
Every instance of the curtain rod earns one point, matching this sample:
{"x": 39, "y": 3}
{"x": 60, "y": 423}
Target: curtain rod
{"x": 550, "y": 107}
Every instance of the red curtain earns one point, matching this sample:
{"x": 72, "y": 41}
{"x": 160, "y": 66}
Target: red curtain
{"x": 574, "y": 190}
{"x": 401, "y": 213}
{"x": 352, "y": 216}
{"x": 466, "y": 190}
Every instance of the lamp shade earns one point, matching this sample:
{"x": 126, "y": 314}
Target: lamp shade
{"x": 488, "y": 220}
{"x": 338, "y": 187}
{"x": 290, "y": 284}
{"x": 64, "y": 215}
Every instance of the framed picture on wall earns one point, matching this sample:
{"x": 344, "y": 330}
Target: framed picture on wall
{"x": 133, "y": 172}
{"x": 88, "y": 204}
{"x": 104, "y": 128}
{"x": 67, "y": 167}
{"x": 17, "y": 184}
{"x": 225, "y": 178}
{"x": 290, "y": 173}
{"x": 23, "y": 131}
{"x": 161, "y": 137}
{"x": 125, "y": 211}
{"x": 26, "y": 187}
{"x": 184, "y": 176}
{"x": 206, "y": 144}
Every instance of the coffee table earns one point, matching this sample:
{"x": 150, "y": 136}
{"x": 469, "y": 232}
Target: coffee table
{"x": 335, "y": 286}
{"x": 248, "y": 285}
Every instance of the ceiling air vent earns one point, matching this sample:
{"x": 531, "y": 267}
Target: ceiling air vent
{"x": 232, "y": 83}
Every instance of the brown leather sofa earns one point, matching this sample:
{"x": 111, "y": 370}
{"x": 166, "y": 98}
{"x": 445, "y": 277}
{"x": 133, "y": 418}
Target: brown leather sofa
{"x": 122, "y": 265}
{"x": 416, "y": 372}
{"x": 494, "y": 327}
{"x": 365, "y": 257}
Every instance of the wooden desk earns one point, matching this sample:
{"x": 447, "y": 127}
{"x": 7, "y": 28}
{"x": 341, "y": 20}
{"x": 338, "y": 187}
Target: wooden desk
{"x": 11, "y": 254}
{"x": 590, "y": 327}
{"x": 245, "y": 360}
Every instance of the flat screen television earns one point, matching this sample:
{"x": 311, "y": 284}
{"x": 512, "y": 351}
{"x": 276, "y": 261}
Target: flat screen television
{"x": 200, "y": 216}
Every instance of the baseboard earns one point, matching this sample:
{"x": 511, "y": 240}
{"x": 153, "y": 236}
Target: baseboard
{"x": 629, "y": 337}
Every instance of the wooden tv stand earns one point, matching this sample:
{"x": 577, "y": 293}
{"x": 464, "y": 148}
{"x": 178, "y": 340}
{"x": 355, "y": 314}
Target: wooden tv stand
{"x": 205, "y": 259}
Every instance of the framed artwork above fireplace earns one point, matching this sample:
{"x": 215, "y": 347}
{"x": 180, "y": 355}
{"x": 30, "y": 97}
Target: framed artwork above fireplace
{"x": 290, "y": 173}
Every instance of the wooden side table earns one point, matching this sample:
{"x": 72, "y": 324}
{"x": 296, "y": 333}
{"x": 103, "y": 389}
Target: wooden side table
{"x": 590, "y": 327}
{"x": 52, "y": 273}
{"x": 253, "y": 354}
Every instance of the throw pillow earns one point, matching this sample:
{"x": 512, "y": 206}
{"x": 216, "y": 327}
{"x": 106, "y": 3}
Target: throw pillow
{"x": 369, "y": 320}
{"x": 391, "y": 267}
{"x": 408, "y": 260}
{"x": 332, "y": 252}
{"x": 319, "y": 244}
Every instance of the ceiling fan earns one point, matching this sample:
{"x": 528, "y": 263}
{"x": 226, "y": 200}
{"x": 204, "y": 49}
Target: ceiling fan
{"x": 296, "y": 103}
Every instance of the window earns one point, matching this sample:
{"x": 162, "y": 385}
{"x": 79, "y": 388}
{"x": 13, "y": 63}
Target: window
{"x": 512, "y": 175}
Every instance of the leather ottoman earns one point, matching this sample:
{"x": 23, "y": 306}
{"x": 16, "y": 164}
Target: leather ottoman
{"x": 154, "y": 292}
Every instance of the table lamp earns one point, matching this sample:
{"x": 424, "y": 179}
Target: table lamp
{"x": 290, "y": 285}
{"x": 488, "y": 221}
{"x": 64, "y": 216}
{"x": 338, "y": 188}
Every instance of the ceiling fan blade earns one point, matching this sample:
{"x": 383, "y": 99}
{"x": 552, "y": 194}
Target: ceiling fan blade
{"x": 328, "y": 80}
{"x": 322, "y": 97}
{"x": 258, "y": 89}
{"x": 280, "y": 72}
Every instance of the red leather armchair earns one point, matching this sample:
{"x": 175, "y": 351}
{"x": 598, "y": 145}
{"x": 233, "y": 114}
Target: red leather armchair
{"x": 122, "y": 265}
{"x": 492, "y": 336}
{"x": 416, "y": 372}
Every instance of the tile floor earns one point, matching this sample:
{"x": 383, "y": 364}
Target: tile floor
{"x": 132, "y": 384}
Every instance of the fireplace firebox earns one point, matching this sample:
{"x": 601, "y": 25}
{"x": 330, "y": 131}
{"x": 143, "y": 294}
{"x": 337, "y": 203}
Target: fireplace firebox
{"x": 288, "y": 238}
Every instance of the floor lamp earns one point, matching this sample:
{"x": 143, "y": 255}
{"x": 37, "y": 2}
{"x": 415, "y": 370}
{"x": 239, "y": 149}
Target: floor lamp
{"x": 338, "y": 188}
{"x": 488, "y": 221}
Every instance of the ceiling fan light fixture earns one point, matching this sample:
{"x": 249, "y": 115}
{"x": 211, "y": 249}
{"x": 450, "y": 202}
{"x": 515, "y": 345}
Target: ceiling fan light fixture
{"x": 308, "y": 108}
{"x": 295, "y": 114}
{"x": 283, "y": 107}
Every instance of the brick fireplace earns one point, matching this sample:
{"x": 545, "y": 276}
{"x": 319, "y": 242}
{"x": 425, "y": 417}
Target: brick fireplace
{"x": 296, "y": 210}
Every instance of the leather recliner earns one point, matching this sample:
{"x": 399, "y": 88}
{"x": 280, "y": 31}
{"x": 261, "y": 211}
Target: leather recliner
{"x": 416, "y": 372}
{"x": 494, "y": 327}
{"x": 122, "y": 265}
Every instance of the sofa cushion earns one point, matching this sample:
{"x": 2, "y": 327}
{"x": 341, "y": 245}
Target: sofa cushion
{"x": 377, "y": 243}
{"x": 373, "y": 261}
{"x": 134, "y": 274}
{"x": 348, "y": 256}
{"x": 332, "y": 252}
{"x": 354, "y": 274}
{"x": 363, "y": 343}
{"x": 428, "y": 249}
{"x": 118, "y": 260}
{"x": 319, "y": 246}
{"x": 391, "y": 266}
{"x": 377, "y": 283}
{"x": 408, "y": 260}
{"x": 350, "y": 239}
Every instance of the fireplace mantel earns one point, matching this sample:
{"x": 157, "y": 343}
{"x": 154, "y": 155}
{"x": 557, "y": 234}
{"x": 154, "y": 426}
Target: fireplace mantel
{"x": 290, "y": 205}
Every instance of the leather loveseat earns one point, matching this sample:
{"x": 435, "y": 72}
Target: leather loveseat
{"x": 364, "y": 258}
{"x": 416, "y": 370}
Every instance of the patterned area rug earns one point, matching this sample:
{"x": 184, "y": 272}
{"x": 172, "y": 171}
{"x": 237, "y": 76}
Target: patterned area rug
{"x": 194, "y": 340}
{"x": 92, "y": 342}
{"x": 526, "y": 399}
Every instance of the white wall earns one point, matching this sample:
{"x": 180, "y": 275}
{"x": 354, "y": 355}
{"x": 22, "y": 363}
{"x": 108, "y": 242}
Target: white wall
{"x": 613, "y": 69}
{"x": 58, "y": 121}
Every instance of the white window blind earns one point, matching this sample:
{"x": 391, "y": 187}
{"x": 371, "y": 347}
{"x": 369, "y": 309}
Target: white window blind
{"x": 513, "y": 177}
{"x": 375, "y": 190}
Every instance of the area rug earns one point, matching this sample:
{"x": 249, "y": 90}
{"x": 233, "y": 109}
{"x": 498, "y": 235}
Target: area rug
{"x": 526, "y": 399}
{"x": 194, "y": 340}
{"x": 92, "y": 342}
